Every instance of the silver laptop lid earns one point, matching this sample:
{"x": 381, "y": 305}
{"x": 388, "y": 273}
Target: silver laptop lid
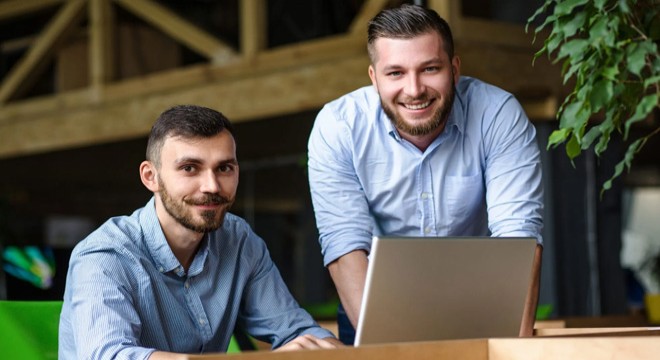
{"x": 421, "y": 289}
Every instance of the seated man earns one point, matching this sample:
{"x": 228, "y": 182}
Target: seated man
{"x": 180, "y": 274}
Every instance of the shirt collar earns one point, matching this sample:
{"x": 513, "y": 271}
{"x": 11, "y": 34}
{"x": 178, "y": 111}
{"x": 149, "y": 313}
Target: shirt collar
{"x": 159, "y": 249}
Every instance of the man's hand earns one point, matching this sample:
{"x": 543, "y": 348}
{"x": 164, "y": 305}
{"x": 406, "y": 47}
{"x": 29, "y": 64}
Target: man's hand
{"x": 310, "y": 342}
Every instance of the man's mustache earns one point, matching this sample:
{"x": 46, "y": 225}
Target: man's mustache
{"x": 210, "y": 199}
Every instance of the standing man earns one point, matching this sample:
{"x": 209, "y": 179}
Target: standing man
{"x": 180, "y": 274}
{"x": 421, "y": 152}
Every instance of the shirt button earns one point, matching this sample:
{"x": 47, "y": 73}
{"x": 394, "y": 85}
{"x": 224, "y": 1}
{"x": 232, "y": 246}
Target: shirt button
{"x": 425, "y": 195}
{"x": 427, "y": 230}
{"x": 187, "y": 284}
{"x": 202, "y": 322}
{"x": 161, "y": 269}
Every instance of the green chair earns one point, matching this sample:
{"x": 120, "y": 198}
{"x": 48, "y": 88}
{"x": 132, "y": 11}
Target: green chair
{"x": 29, "y": 329}
{"x": 234, "y": 347}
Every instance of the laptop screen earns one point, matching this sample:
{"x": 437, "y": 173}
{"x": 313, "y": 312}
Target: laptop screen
{"x": 420, "y": 289}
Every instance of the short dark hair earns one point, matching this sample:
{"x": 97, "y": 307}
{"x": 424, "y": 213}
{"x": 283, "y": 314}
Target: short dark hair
{"x": 405, "y": 22}
{"x": 188, "y": 121}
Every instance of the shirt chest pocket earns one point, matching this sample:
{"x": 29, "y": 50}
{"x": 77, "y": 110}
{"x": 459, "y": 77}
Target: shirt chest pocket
{"x": 463, "y": 196}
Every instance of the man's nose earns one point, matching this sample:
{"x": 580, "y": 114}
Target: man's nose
{"x": 414, "y": 87}
{"x": 210, "y": 183}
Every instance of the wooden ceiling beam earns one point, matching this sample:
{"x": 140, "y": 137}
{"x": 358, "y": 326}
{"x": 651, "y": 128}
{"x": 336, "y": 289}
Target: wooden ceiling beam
{"x": 14, "y": 8}
{"x": 254, "y": 26}
{"x": 24, "y": 73}
{"x": 361, "y": 21}
{"x": 180, "y": 29}
{"x": 101, "y": 43}
{"x": 241, "y": 98}
{"x": 272, "y": 61}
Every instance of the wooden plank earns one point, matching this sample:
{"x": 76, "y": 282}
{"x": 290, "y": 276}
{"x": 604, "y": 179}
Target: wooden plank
{"x": 493, "y": 33}
{"x": 599, "y": 331}
{"x": 28, "y": 67}
{"x": 436, "y": 350}
{"x": 14, "y": 8}
{"x": 360, "y": 22}
{"x": 587, "y": 348}
{"x": 180, "y": 29}
{"x": 101, "y": 43}
{"x": 275, "y": 60}
{"x": 292, "y": 90}
{"x": 254, "y": 26}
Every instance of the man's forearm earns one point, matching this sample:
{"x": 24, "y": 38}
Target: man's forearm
{"x": 349, "y": 273}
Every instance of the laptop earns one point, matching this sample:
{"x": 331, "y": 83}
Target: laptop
{"x": 420, "y": 289}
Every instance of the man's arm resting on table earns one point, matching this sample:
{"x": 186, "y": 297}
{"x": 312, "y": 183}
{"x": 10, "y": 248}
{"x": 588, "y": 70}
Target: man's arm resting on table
{"x": 310, "y": 342}
{"x": 303, "y": 342}
{"x": 349, "y": 273}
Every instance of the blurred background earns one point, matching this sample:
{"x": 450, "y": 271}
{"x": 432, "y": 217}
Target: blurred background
{"x": 81, "y": 82}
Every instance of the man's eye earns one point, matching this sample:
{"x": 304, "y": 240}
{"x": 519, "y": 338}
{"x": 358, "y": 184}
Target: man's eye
{"x": 188, "y": 168}
{"x": 431, "y": 69}
{"x": 394, "y": 73}
{"x": 226, "y": 168}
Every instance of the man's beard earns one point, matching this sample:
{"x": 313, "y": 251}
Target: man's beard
{"x": 182, "y": 213}
{"x": 438, "y": 119}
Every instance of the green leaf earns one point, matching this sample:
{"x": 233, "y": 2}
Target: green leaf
{"x": 574, "y": 68}
{"x": 552, "y": 43}
{"x": 625, "y": 163}
{"x": 602, "y": 143}
{"x": 576, "y": 23}
{"x": 598, "y": 30}
{"x": 538, "y": 12}
{"x": 549, "y": 20}
{"x": 573, "y": 49}
{"x": 623, "y": 5}
{"x": 653, "y": 80}
{"x": 568, "y": 116}
{"x": 573, "y": 147}
{"x": 635, "y": 58}
{"x": 589, "y": 137}
{"x": 600, "y": 4}
{"x": 610, "y": 72}
{"x": 557, "y": 137}
{"x": 601, "y": 94}
{"x": 642, "y": 110}
{"x": 605, "y": 128}
{"x": 566, "y": 7}
{"x": 574, "y": 117}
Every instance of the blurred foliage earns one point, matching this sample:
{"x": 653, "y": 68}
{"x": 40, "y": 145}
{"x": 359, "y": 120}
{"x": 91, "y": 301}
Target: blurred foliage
{"x": 608, "y": 50}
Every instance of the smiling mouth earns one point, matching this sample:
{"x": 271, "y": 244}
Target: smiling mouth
{"x": 417, "y": 106}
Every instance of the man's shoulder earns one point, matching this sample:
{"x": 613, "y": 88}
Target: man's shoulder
{"x": 236, "y": 235}
{"x": 360, "y": 101}
{"x": 119, "y": 234}
{"x": 235, "y": 229}
{"x": 470, "y": 87}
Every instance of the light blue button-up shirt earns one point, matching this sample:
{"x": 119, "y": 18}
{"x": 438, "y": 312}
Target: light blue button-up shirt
{"x": 480, "y": 177}
{"x": 127, "y": 295}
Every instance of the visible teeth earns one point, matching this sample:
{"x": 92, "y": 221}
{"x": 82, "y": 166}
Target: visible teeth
{"x": 417, "y": 106}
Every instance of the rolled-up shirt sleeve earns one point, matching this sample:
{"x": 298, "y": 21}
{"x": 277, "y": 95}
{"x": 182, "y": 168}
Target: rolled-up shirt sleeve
{"x": 340, "y": 205}
{"x": 513, "y": 173}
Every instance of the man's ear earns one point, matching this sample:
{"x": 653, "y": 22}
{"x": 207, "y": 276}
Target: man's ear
{"x": 456, "y": 67}
{"x": 149, "y": 176}
{"x": 372, "y": 76}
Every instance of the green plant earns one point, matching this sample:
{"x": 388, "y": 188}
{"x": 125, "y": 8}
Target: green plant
{"x": 609, "y": 50}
